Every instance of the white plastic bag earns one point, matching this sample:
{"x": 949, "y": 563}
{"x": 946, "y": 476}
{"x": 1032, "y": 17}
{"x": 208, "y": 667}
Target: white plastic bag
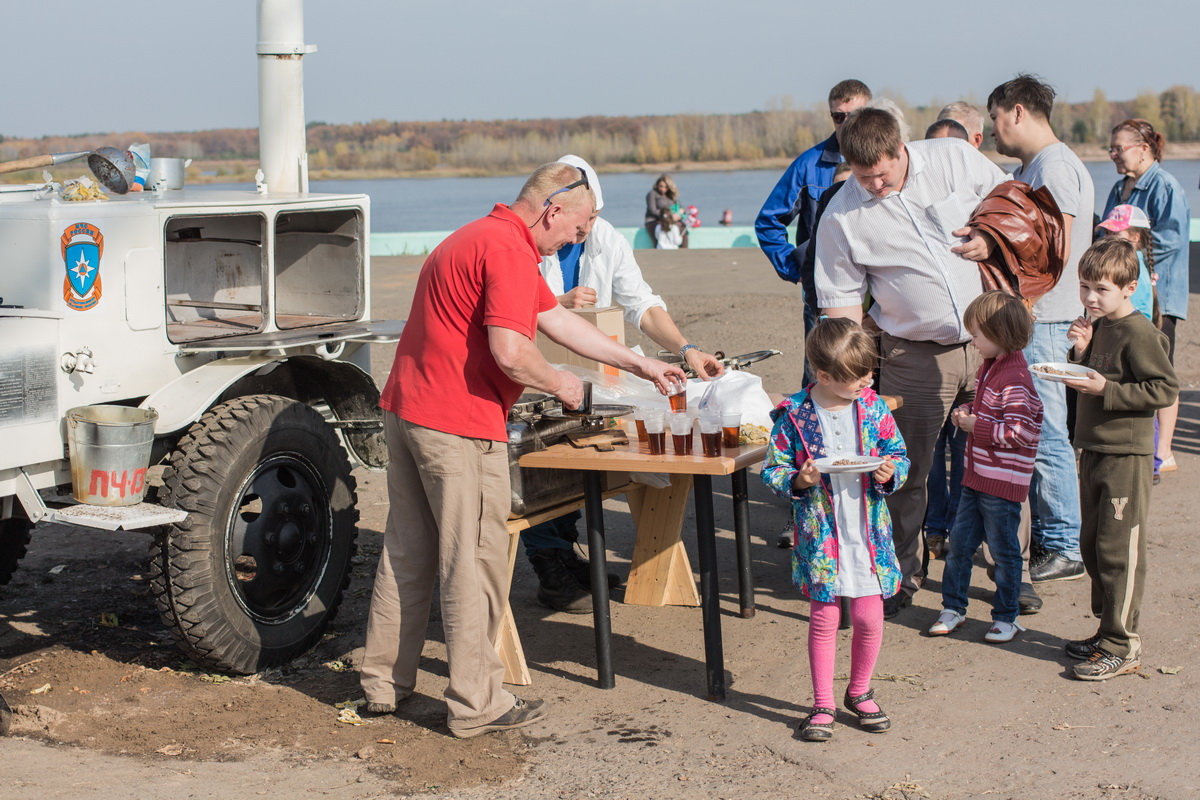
{"x": 736, "y": 390}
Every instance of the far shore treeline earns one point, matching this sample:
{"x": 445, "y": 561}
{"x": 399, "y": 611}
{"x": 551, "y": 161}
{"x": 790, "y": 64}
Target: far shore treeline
{"x": 383, "y": 148}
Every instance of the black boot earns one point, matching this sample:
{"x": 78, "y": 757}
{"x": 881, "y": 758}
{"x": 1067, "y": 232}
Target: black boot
{"x": 558, "y": 587}
{"x": 582, "y": 570}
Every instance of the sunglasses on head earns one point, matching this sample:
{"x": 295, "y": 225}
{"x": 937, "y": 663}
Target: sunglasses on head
{"x": 583, "y": 181}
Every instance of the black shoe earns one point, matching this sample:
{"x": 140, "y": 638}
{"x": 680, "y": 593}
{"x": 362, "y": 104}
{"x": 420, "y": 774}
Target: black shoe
{"x": 582, "y": 570}
{"x": 523, "y": 712}
{"x": 895, "y": 604}
{"x": 1082, "y": 649}
{"x": 1028, "y": 600}
{"x": 1055, "y": 567}
{"x": 557, "y": 586}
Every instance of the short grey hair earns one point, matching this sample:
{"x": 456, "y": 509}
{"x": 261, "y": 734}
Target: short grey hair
{"x": 965, "y": 114}
{"x": 885, "y": 104}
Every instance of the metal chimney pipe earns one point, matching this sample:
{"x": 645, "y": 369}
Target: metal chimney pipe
{"x": 281, "y": 135}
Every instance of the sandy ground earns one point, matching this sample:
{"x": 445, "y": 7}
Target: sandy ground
{"x": 125, "y": 715}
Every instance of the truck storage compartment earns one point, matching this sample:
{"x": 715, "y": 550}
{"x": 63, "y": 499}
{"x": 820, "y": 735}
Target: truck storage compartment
{"x": 214, "y": 269}
{"x": 318, "y": 267}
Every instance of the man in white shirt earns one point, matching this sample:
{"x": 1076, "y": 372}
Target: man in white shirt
{"x": 897, "y": 232}
{"x": 598, "y": 269}
{"x": 1020, "y": 111}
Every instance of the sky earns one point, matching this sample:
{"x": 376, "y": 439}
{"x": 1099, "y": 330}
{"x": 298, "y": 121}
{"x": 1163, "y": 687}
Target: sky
{"x": 170, "y": 65}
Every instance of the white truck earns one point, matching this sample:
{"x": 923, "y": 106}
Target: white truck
{"x": 242, "y": 318}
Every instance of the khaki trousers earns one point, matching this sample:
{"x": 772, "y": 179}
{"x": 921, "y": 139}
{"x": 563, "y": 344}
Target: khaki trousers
{"x": 1114, "y": 497}
{"x": 449, "y": 498}
{"x": 932, "y": 379}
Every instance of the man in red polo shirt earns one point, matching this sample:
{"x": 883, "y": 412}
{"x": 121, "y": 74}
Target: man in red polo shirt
{"x": 465, "y": 355}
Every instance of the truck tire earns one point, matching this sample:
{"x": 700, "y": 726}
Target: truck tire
{"x": 255, "y": 573}
{"x": 14, "y": 537}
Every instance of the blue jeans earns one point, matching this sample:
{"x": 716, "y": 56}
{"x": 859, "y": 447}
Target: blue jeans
{"x": 942, "y": 497}
{"x": 555, "y": 534}
{"x": 1054, "y": 491}
{"x": 984, "y": 517}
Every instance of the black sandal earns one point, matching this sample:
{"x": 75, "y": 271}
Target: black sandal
{"x": 817, "y": 732}
{"x": 869, "y": 721}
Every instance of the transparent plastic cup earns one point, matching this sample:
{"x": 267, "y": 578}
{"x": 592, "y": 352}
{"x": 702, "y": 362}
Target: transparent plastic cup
{"x": 677, "y": 396}
{"x": 656, "y": 431}
{"x": 710, "y": 434}
{"x": 681, "y": 433}
{"x": 731, "y": 427}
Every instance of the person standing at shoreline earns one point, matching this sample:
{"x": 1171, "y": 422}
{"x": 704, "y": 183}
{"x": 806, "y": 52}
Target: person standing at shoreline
{"x": 796, "y": 195}
{"x": 1020, "y": 111}
{"x": 662, "y": 198}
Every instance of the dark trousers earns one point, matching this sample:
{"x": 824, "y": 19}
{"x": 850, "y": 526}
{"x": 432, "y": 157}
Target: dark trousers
{"x": 931, "y": 379}
{"x": 1114, "y": 498}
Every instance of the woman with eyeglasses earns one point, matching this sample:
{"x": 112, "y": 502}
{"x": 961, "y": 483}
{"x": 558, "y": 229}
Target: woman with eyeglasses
{"x": 1136, "y": 150}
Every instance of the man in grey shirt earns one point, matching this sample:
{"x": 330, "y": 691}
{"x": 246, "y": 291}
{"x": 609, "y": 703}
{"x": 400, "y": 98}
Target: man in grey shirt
{"x": 1020, "y": 111}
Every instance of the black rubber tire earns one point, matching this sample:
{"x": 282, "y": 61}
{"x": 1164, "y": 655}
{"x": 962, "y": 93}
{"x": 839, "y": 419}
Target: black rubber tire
{"x": 14, "y": 537}
{"x": 255, "y": 573}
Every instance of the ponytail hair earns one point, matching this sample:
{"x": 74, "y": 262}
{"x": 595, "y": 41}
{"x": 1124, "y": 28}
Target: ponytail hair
{"x": 1143, "y": 130}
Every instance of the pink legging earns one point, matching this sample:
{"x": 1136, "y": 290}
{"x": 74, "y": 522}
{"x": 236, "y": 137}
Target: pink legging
{"x": 866, "y": 615}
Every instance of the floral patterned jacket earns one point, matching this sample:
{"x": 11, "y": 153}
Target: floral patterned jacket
{"x": 797, "y": 437}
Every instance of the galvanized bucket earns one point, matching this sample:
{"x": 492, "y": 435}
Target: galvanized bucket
{"x": 110, "y": 452}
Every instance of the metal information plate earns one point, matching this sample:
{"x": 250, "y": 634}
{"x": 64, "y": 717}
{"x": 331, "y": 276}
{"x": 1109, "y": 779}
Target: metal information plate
{"x": 27, "y": 386}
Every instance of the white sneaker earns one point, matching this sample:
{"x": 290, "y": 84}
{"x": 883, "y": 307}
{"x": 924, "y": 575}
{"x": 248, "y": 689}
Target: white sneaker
{"x": 947, "y": 621}
{"x": 1002, "y": 632}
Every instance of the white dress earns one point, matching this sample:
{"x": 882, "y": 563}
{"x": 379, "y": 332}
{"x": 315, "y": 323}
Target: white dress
{"x": 854, "y": 577}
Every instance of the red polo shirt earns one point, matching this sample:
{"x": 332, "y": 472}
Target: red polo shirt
{"x": 444, "y": 376}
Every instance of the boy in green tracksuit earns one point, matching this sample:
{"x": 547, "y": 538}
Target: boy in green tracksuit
{"x": 1130, "y": 377}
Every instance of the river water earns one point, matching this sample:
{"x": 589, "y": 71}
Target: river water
{"x": 442, "y": 204}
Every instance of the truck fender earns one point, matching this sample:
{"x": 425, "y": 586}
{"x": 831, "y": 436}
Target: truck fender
{"x": 182, "y": 401}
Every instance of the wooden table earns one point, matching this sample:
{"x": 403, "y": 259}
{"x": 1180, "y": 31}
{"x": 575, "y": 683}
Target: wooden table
{"x": 636, "y": 457}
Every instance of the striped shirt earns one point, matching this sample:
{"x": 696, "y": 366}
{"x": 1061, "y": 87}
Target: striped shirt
{"x": 898, "y": 247}
{"x": 1003, "y": 444}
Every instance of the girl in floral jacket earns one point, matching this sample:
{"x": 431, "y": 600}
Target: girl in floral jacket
{"x": 843, "y": 544}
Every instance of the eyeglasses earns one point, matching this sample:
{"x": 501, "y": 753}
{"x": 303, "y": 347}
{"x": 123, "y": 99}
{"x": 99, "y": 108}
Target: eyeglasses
{"x": 1116, "y": 151}
{"x": 838, "y": 117}
{"x": 583, "y": 181}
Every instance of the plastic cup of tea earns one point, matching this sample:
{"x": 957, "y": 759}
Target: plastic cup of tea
{"x": 681, "y": 433}
{"x": 710, "y": 434}
{"x": 731, "y": 428}
{"x": 656, "y": 431}
{"x": 639, "y": 420}
{"x": 677, "y": 395}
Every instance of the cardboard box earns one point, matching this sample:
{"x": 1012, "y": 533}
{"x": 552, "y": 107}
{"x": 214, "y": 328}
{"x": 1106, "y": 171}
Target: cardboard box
{"x": 610, "y": 321}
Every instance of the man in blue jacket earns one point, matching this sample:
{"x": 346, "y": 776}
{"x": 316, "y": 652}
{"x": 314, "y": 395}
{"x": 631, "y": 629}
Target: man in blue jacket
{"x": 795, "y": 198}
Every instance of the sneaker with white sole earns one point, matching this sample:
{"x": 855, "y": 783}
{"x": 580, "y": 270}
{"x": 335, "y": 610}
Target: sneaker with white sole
{"x": 1002, "y": 632}
{"x": 947, "y": 621}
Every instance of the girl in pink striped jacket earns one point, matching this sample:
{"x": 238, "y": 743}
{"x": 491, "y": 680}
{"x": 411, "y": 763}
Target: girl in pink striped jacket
{"x": 1003, "y": 424}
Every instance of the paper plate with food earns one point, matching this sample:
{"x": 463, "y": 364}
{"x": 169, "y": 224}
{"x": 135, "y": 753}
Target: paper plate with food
{"x": 1060, "y": 371}
{"x": 837, "y": 464}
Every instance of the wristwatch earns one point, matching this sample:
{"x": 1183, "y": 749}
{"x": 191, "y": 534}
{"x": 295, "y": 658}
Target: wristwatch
{"x": 683, "y": 350}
